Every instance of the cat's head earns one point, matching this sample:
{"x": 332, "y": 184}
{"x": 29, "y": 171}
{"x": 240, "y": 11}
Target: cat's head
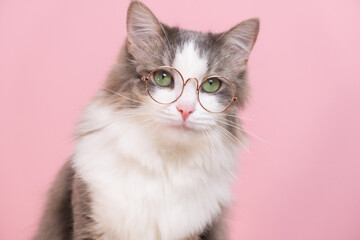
{"x": 181, "y": 98}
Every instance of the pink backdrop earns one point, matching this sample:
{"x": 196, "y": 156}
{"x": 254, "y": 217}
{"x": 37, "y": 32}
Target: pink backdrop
{"x": 300, "y": 182}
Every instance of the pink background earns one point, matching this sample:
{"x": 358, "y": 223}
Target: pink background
{"x": 302, "y": 181}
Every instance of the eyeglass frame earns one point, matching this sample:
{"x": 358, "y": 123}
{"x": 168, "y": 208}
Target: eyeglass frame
{"x": 146, "y": 79}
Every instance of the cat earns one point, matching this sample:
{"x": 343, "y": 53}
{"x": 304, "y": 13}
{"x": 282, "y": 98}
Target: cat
{"x": 157, "y": 146}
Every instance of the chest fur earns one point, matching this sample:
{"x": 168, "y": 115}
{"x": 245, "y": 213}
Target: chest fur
{"x": 143, "y": 194}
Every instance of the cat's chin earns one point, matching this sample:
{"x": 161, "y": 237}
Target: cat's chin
{"x": 177, "y": 134}
{"x": 180, "y": 130}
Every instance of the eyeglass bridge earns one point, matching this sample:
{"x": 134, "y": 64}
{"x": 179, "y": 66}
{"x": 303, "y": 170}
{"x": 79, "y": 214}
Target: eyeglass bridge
{"x": 197, "y": 82}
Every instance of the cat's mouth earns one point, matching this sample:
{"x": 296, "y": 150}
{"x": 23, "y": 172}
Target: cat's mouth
{"x": 182, "y": 127}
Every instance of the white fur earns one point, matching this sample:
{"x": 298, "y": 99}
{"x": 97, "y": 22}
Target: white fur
{"x": 147, "y": 180}
{"x": 189, "y": 62}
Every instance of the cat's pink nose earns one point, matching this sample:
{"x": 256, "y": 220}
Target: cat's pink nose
{"x": 185, "y": 111}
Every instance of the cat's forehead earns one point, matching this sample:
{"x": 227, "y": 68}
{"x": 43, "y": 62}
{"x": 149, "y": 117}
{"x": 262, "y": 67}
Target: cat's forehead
{"x": 189, "y": 61}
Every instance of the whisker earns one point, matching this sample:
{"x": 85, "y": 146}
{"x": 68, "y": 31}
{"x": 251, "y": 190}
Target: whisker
{"x": 144, "y": 124}
{"x": 219, "y": 155}
{"x": 236, "y": 116}
{"x": 209, "y": 131}
{"x": 133, "y": 114}
{"x": 231, "y": 137}
{"x": 245, "y": 131}
{"x": 116, "y": 93}
{"x": 128, "y": 107}
{"x": 207, "y": 140}
{"x": 148, "y": 124}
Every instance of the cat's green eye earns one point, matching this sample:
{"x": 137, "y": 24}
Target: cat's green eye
{"x": 211, "y": 85}
{"x": 163, "y": 78}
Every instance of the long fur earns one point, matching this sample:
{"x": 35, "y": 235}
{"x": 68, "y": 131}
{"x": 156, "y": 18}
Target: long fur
{"x": 139, "y": 171}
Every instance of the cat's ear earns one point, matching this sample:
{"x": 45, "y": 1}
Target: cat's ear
{"x": 143, "y": 28}
{"x": 241, "y": 38}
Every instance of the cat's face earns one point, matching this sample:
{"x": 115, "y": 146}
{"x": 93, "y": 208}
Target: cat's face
{"x": 193, "y": 58}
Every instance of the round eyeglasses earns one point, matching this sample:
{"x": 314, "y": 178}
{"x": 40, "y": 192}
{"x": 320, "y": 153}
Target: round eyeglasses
{"x": 165, "y": 85}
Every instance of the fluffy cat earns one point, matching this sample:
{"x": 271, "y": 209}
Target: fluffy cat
{"x": 145, "y": 170}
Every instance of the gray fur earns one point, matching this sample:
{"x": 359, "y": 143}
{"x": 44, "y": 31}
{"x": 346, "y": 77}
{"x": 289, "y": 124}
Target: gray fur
{"x": 67, "y": 213}
{"x": 56, "y": 222}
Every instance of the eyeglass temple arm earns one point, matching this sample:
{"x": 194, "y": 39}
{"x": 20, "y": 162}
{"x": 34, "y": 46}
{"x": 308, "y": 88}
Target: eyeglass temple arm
{"x": 144, "y": 78}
